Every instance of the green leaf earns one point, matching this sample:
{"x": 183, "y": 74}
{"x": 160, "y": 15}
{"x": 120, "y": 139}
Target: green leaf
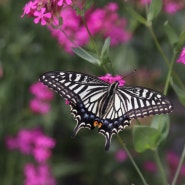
{"x": 179, "y": 92}
{"x": 105, "y": 52}
{"x": 145, "y": 137}
{"x": 136, "y": 15}
{"x": 154, "y": 9}
{"x": 162, "y": 124}
{"x": 90, "y": 57}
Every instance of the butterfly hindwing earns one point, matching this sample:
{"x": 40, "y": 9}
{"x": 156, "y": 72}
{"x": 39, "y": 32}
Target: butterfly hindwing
{"x": 140, "y": 102}
{"x": 96, "y": 103}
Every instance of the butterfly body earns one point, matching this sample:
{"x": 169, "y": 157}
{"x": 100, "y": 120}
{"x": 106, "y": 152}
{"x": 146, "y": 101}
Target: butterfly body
{"x": 96, "y": 103}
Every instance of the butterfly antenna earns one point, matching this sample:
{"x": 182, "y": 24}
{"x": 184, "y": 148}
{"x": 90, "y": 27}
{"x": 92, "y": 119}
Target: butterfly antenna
{"x": 129, "y": 73}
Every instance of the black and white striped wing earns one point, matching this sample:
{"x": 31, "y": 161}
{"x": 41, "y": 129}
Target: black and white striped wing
{"x": 84, "y": 92}
{"x": 138, "y": 102}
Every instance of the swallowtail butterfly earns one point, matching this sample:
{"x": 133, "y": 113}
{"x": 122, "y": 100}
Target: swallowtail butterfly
{"x": 96, "y": 103}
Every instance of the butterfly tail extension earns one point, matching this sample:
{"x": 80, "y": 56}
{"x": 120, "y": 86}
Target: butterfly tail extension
{"x": 111, "y": 129}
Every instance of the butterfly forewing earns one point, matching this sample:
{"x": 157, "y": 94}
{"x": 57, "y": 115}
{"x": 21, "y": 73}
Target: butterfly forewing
{"x": 94, "y": 102}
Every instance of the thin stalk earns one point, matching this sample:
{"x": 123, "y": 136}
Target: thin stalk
{"x": 158, "y": 46}
{"x": 179, "y": 81}
{"x": 90, "y": 36}
{"x": 161, "y": 170}
{"x": 132, "y": 160}
{"x": 179, "y": 167}
{"x": 169, "y": 75}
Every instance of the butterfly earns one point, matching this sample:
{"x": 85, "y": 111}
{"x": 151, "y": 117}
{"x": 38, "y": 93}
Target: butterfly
{"x": 96, "y": 103}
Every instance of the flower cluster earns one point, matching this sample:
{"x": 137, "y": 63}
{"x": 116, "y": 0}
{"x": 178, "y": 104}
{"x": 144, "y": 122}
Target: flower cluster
{"x": 110, "y": 79}
{"x": 45, "y": 11}
{"x": 101, "y": 21}
{"x": 40, "y": 103}
{"x": 181, "y": 58}
{"x": 38, "y": 175}
{"x": 35, "y": 143}
{"x": 73, "y": 32}
{"x": 32, "y": 142}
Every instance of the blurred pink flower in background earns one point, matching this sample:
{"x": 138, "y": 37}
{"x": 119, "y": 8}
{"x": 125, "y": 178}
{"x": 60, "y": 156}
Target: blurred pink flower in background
{"x": 31, "y": 142}
{"x": 41, "y": 91}
{"x": 150, "y": 166}
{"x": 173, "y": 161}
{"x": 120, "y": 155}
{"x": 110, "y": 79}
{"x": 181, "y": 58}
{"x": 34, "y": 142}
{"x": 38, "y": 175}
{"x": 173, "y": 6}
{"x": 40, "y": 103}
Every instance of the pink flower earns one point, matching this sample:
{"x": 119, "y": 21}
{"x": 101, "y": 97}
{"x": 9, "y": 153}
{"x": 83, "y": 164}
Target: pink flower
{"x": 40, "y": 103}
{"x": 29, "y": 8}
{"x": 61, "y": 2}
{"x": 181, "y": 58}
{"x": 67, "y": 102}
{"x": 41, "y": 91}
{"x": 39, "y": 106}
{"x": 32, "y": 142}
{"x": 172, "y": 6}
{"x": 150, "y": 166}
{"x": 42, "y": 146}
{"x": 110, "y": 79}
{"x": 172, "y": 158}
{"x": 120, "y": 155}
{"x": 38, "y": 175}
{"x": 101, "y": 21}
{"x": 41, "y": 155}
{"x": 41, "y": 16}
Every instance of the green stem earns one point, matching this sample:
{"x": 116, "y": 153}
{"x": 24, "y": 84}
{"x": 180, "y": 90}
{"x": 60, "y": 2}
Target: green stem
{"x": 164, "y": 56}
{"x": 169, "y": 75}
{"x": 158, "y": 46}
{"x": 161, "y": 170}
{"x": 132, "y": 160}
{"x": 179, "y": 167}
{"x": 90, "y": 36}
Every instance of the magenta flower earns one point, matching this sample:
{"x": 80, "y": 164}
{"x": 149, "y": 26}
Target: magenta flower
{"x": 61, "y": 2}
{"x": 101, "y": 21}
{"x": 41, "y": 91}
{"x": 32, "y": 142}
{"x": 29, "y": 8}
{"x": 38, "y": 175}
{"x": 39, "y": 106}
{"x": 40, "y": 103}
{"x": 110, "y": 79}
{"x": 67, "y": 102}
{"x": 181, "y": 58}
{"x": 41, "y": 16}
{"x": 121, "y": 155}
{"x": 172, "y": 6}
